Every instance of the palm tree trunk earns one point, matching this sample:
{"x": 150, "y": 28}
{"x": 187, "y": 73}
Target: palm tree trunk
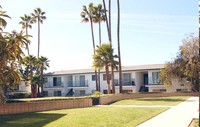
{"x": 42, "y": 80}
{"x": 38, "y": 38}
{"x": 108, "y": 78}
{"x": 104, "y": 4}
{"x": 110, "y": 37}
{"x": 99, "y": 33}
{"x": 27, "y": 37}
{"x": 92, "y": 31}
{"x": 99, "y": 82}
{"x": 113, "y": 81}
{"x": 119, "y": 52}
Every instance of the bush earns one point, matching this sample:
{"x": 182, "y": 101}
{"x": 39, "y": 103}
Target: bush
{"x": 19, "y": 95}
{"x": 97, "y": 93}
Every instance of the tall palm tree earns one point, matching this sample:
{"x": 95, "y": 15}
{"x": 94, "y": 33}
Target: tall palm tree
{"x": 26, "y": 23}
{"x": 87, "y": 15}
{"x": 98, "y": 18}
{"x": 39, "y": 16}
{"x": 103, "y": 57}
{"x": 118, "y": 42}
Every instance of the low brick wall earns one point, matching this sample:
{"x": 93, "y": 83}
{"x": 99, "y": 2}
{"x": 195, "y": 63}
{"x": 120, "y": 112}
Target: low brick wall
{"x": 110, "y": 99}
{"x": 14, "y": 108}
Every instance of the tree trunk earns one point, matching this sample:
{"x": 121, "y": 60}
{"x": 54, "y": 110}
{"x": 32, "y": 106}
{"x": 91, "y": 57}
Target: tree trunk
{"x": 119, "y": 51}
{"x": 108, "y": 78}
{"x": 38, "y": 38}
{"x": 104, "y": 4}
{"x": 41, "y": 94}
{"x": 99, "y": 82}
{"x": 92, "y": 31}
{"x": 2, "y": 96}
{"x": 110, "y": 37}
{"x": 113, "y": 81}
{"x": 27, "y": 37}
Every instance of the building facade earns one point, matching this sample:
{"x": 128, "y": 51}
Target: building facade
{"x": 143, "y": 78}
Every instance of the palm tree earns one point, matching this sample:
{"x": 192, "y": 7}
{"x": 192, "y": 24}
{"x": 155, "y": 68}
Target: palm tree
{"x": 38, "y": 16}
{"x": 98, "y": 18}
{"x": 118, "y": 40}
{"x": 26, "y": 23}
{"x": 87, "y": 15}
{"x": 29, "y": 62}
{"x": 42, "y": 64}
{"x": 104, "y": 57}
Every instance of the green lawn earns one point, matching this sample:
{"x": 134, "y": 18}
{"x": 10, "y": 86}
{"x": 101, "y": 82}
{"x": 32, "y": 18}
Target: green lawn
{"x": 165, "y": 101}
{"x": 82, "y": 117}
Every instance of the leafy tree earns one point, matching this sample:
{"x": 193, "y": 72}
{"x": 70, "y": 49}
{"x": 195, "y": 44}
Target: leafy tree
{"x": 88, "y": 15}
{"x": 104, "y": 58}
{"x": 38, "y": 16}
{"x": 186, "y": 66}
{"x": 3, "y": 22}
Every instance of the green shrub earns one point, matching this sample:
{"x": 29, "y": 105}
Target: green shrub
{"x": 19, "y": 95}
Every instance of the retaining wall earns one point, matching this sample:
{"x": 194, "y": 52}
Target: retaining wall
{"x": 110, "y": 99}
{"x": 14, "y": 108}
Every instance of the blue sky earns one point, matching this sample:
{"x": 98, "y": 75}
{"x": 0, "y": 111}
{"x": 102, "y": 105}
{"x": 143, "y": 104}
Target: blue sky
{"x": 151, "y": 30}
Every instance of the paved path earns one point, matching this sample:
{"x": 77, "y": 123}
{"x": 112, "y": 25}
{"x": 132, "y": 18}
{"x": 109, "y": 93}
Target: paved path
{"x": 177, "y": 116}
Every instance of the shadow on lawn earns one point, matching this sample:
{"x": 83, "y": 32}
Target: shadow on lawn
{"x": 28, "y": 119}
{"x": 161, "y": 99}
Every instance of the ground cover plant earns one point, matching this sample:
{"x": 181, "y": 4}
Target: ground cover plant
{"x": 165, "y": 101}
{"x": 82, "y": 117}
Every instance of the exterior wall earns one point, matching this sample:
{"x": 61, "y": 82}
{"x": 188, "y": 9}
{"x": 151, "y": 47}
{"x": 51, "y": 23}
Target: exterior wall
{"x": 90, "y": 87}
{"x": 14, "y": 108}
{"x": 24, "y": 88}
{"x": 110, "y": 99}
{"x": 177, "y": 86}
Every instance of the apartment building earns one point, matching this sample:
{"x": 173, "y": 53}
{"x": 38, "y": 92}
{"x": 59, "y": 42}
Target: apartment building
{"x": 143, "y": 78}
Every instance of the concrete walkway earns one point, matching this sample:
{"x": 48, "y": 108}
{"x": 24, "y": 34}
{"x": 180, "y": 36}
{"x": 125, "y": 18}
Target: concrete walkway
{"x": 177, "y": 116}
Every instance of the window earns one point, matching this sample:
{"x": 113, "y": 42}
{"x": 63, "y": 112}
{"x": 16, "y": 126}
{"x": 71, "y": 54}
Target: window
{"x": 56, "y": 81}
{"x": 57, "y": 93}
{"x": 159, "y": 90}
{"x": 181, "y": 90}
{"x": 45, "y": 93}
{"x": 45, "y": 80}
{"x": 93, "y": 77}
{"x": 79, "y": 92}
{"x": 126, "y": 79}
{"x": 104, "y": 77}
{"x": 156, "y": 77}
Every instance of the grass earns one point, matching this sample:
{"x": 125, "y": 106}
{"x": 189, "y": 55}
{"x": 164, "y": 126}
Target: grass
{"x": 165, "y": 101}
{"x": 82, "y": 117}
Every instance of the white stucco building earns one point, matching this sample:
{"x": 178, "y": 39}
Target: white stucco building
{"x": 143, "y": 78}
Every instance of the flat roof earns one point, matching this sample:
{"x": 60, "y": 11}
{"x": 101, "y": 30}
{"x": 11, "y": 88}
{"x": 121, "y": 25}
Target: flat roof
{"x": 91, "y": 70}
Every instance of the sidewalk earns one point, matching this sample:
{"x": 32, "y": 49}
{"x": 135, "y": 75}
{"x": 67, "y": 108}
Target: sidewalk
{"x": 177, "y": 116}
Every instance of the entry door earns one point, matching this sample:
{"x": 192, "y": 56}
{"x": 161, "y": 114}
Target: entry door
{"x": 145, "y": 79}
